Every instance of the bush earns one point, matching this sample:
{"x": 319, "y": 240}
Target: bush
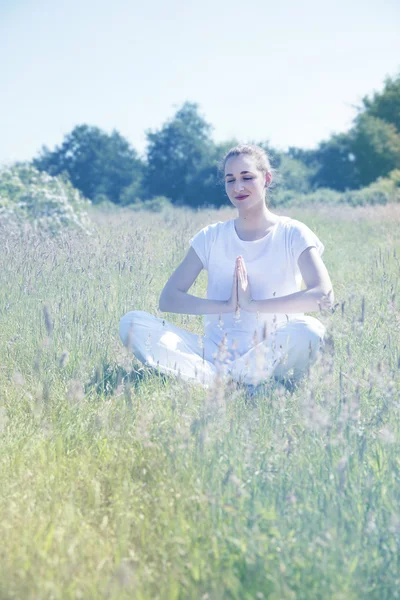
{"x": 33, "y": 199}
{"x": 292, "y": 198}
{"x": 366, "y": 196}
{"x": 382, "y": 191}
{"x": 130, "y": 195}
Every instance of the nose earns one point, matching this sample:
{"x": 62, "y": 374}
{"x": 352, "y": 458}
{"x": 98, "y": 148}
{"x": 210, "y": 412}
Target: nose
{"x": 238, "y": 186}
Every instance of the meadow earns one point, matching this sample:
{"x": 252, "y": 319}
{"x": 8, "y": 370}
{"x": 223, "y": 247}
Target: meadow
{"x": 118, "y": 483}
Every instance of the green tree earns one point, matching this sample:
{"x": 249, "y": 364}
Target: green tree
{"x": 306, "y": 156}
{"x": 385, "y": 105}
{"x": 376, "y": 147}
{"x": 337, "y": 167}
{"x": 97, "y": 164}
{"x": 180, "y": 158}
{"x": 293, "y": 174}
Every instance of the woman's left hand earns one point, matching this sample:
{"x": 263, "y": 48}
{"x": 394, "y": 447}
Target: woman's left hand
{"x": 245, "y": 299}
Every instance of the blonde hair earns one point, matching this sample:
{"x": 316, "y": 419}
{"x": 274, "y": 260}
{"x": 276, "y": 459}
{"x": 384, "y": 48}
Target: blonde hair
{"x": 259, "y": 154}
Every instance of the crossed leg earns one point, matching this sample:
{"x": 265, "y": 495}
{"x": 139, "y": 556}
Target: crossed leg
{"x": 172, "y": 350}
{"x": 169, "y": 349}
{"x": 292, "y": 346}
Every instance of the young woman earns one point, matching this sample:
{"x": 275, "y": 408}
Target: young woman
{"x": 255, "y": 326}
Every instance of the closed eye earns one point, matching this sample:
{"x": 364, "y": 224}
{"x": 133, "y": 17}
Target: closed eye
{"x": 245, "y": 179}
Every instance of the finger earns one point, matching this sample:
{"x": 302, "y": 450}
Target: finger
{"x": 240, "y": 279}
{"x": 241, "y": 273}
{"x": 244, "y": 276}
{"x": 234, "y": 284}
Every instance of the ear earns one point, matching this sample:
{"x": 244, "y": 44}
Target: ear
{"x": 268, "y": 179}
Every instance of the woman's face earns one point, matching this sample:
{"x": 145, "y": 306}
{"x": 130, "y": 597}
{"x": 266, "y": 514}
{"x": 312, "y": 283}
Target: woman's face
{"x": 244, "y": 183}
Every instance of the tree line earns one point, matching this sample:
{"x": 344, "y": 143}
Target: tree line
{"x": 181, "y": 161}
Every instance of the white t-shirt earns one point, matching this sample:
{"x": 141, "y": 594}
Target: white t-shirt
{"x": 272, "y": 269}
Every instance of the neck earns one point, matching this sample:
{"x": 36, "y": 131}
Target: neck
{"x": 256, "y": 218}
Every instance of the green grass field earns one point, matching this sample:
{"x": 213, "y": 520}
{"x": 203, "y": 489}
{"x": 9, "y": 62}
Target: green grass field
{"x": 116, "y": 483}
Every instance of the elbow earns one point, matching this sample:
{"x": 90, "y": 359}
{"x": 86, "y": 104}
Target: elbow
{"x": 165, "y": 303}
{"x": 162, "y": 304}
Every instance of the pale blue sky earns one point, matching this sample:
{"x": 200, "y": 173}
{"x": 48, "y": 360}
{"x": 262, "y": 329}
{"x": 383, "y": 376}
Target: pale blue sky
{"x": 285, "y": 71}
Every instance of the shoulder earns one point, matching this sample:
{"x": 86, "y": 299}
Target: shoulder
{"x": 208, "y": 238}
{"x": 213, "y": 230}
{"x": 300, "y": 237}
{"x": 214, "y": 227}
{"x": 218, "y": 226}
{"x": 295, "y": 228}
{"x": 293, "y": 224}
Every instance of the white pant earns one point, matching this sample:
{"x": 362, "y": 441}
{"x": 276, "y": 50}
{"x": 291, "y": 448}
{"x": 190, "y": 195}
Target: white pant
{"x": 175, "y": 351}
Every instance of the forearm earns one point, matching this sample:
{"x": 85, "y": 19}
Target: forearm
{"x": 182, "y": 302}
{"x": 304, "y": 301}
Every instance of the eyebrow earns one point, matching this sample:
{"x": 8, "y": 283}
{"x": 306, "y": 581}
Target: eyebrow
{"x": 241, "y": 172}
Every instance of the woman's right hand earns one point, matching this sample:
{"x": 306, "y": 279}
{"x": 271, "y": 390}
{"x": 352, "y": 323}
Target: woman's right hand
{"x": 232, "y": 303}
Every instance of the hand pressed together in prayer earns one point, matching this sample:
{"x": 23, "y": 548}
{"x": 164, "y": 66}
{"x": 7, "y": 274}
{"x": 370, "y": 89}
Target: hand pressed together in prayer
{"x": 241, "y": 291}
{"x": 245, "y": 299}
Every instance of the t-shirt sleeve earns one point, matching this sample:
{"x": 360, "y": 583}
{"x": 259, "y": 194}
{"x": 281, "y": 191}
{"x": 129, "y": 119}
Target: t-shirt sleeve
{"x": 201, "y": 243}
{"x": 303, "y": 238}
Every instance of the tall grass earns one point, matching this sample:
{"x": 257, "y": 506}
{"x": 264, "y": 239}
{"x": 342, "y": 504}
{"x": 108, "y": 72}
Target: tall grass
{"x": 118, "y": 483}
